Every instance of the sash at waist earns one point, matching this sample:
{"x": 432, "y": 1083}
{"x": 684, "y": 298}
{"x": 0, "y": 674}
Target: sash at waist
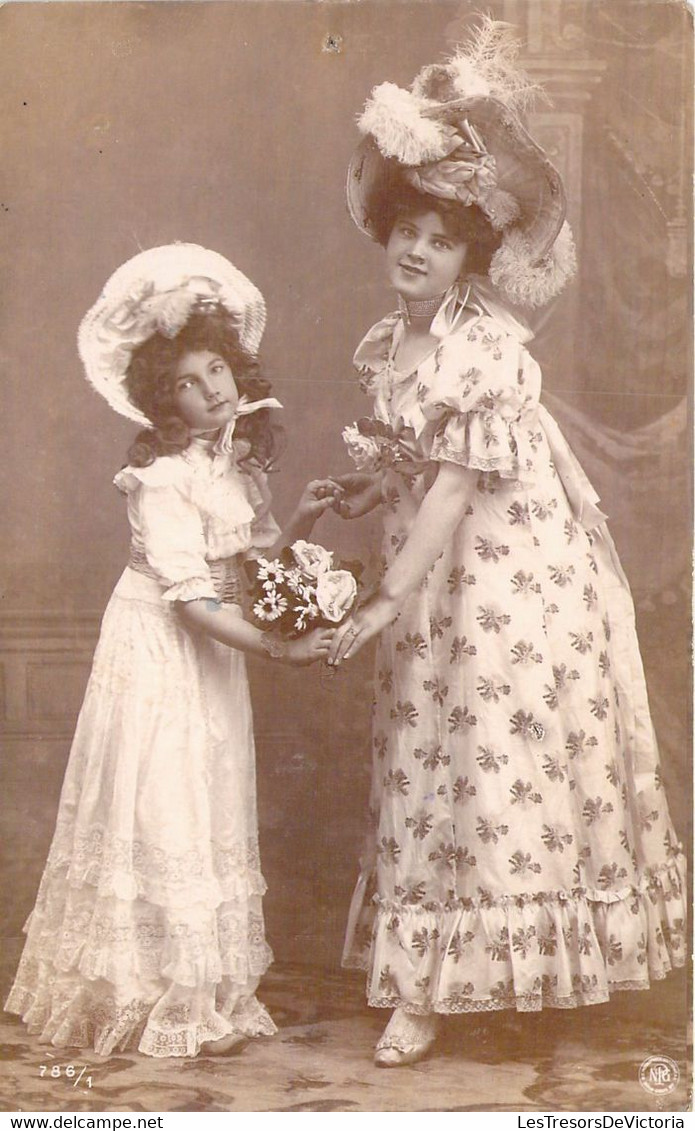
{"x": 224, "y": 572}
{"x": 582, "y": 497}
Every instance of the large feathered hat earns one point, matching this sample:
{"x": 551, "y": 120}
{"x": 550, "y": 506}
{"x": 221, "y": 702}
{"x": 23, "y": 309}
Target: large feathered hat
{"x": 156, "y": 291}
{"x": 457, "y": 134}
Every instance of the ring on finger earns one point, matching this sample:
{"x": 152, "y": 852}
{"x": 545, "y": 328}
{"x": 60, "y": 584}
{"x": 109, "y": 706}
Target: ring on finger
{"x": 350, "y": 645}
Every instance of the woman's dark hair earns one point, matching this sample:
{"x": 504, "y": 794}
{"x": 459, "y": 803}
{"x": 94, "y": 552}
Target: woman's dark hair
{"x": 395, "y": 198}
{"x": 150, "y": 384}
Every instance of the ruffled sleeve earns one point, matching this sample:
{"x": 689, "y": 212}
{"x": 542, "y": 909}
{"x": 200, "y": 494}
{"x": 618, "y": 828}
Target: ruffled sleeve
{"x": 479, "y": 394}
{"x": 264, "y": 529}
{"x": 169, "y": 527}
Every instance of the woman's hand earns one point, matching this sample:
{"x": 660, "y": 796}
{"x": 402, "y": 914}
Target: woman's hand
{"x": 359, "y": 494}
{"x": 318, "y": 496}
{"x": 309, "y": 648}
{"x": 356, "y": 631}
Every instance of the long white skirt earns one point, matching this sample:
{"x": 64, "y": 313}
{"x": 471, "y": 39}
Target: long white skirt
{"x": 148, "y": 928}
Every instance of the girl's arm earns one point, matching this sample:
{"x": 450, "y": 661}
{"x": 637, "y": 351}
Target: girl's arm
{"x": 223, "y": 624}
{"x": 229, "y": 628}
{"x": 440, "y": 513}
{"x": 318, "y": 496}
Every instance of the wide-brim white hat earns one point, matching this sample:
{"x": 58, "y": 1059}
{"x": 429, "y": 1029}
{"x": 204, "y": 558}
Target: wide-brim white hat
{"x": 523, "y": 172}
{"x": 156, "y": 291}
{"x": 457, "y": 134}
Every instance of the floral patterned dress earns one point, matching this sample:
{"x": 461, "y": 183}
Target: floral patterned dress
{"x": 148, "y": 928}
{"x": 520, "y": 852}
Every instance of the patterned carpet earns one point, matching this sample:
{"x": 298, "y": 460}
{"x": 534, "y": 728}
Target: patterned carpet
{"x": 585, "y": 1060}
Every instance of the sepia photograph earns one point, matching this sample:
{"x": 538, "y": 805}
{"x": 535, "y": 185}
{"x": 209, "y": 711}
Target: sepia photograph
{"x": 346, "y": 612}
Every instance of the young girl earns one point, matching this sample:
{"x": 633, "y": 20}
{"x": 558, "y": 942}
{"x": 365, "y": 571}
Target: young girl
{"x": 521, "y": 854}
{"x": 148, "y": 928}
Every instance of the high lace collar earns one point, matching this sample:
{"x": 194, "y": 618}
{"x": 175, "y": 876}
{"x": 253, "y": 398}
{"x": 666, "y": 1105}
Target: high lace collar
{"x": 204, "y": 444}
{"x": 202, "y": 452}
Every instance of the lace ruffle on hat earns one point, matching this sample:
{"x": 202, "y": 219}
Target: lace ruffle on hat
{"x": 156, "y": 291}
{"x": 457, "y": 135}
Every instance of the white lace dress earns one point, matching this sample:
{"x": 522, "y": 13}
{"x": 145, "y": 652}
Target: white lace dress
{"x": 148, "y": 927}
{"x": 521, "y": 853}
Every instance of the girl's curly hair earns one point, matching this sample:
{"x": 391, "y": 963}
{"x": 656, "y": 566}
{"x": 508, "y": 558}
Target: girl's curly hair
{"x": 150, "y": 384}
{"x": 395, "y": 198}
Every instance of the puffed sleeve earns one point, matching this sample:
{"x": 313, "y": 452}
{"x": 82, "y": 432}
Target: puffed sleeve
{"x": 264, "y": 529}
{"x": 481, "y": 396}
{"x": 170, "y": 528}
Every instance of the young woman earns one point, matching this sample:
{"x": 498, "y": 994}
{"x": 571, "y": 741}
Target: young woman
{"x": 521, "y": 853}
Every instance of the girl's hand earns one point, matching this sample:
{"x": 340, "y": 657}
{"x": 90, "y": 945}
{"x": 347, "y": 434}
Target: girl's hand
{"x": 309, "y": 648}
{"x": 318, "y": 496}
{"x": 356, "y": 631}
{"x": 359, "y": 494}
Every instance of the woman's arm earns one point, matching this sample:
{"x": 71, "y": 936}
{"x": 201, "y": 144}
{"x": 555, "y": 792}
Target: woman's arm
{"x": 440, "y": 513}
{"x": 213, "y": 619}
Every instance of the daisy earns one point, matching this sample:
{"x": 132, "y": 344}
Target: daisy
{"x": 270, "y": 607}
{"x": 272, "y": 572}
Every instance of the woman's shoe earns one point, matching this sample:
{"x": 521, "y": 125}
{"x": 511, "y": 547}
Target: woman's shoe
{"x": 407, "y": 1038}
{"x": 225, "y": 1046}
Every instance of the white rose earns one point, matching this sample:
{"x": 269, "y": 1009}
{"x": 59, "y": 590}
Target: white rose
{"x": 313, "y": 559}
{"x": 363, "y": 450}
{"x": 335, "y": 593}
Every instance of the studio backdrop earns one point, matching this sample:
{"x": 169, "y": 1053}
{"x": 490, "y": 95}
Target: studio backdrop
{"x": 230, "y": 124}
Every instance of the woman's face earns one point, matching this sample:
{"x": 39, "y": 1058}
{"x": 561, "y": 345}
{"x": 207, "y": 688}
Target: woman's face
{"x": 205, "y": 393}
{"x": 422, "y": 258}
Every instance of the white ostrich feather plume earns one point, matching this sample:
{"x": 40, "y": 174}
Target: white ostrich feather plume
{"x": 532, "y": 284}
{"x": 393, "y": 117}
{"x": 487, "y": 66}
{"x": 501, "y": 208}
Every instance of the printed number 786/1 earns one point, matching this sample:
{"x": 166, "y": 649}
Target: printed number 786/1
{"x": 69, "y": 1071}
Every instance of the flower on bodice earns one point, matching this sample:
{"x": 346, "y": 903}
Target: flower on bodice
{"x": 372, "y": 444}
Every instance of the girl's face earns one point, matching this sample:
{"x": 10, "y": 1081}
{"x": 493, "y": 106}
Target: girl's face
{"x": 422, "y": 258}
{"x": 205, "y": 393}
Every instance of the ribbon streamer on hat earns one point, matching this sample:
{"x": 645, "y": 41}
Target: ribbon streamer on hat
{"x": 225, "y": 444}
{"x": 467, "y": 174}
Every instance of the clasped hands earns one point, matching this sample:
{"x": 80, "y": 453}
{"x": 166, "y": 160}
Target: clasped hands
{"x": 350, "y": 496}
{"x": 356, "y": 494}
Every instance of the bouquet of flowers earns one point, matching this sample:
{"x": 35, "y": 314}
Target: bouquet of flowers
{"x": 301, "y": 589}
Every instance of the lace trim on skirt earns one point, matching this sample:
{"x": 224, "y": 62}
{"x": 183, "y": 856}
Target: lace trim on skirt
{"x": 524, "y": 955}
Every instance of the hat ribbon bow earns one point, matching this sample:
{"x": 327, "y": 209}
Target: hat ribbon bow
{"x": 225, "y": 444}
